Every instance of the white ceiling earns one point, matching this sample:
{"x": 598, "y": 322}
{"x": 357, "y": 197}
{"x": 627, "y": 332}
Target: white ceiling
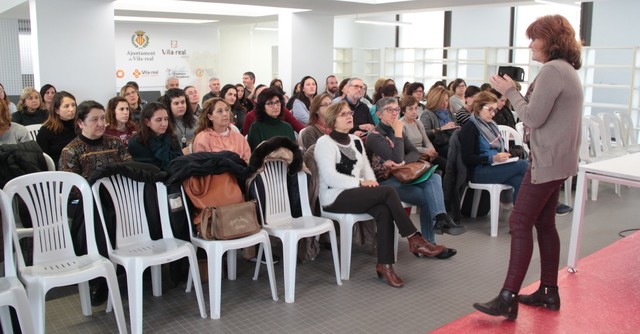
{"x": 321, "y": 7}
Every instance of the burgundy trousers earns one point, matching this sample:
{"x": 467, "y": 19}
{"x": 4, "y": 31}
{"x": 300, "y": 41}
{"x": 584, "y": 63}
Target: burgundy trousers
{"x": 535, "y": 206}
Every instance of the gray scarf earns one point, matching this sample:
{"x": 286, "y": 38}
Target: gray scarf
{"x": 489, "y": 132}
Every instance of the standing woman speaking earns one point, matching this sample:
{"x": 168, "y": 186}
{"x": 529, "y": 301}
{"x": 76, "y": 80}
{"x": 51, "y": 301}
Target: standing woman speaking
{"x": 551, "y": 111}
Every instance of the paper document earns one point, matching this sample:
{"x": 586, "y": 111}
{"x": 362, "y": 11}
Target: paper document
{"x": 510, "y": 160}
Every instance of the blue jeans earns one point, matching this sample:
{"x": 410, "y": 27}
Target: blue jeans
{"x": 427, "y": 196}
{"x": 511, "y": 174}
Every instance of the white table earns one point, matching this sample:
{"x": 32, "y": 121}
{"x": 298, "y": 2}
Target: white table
{"x": 623, "y": 170}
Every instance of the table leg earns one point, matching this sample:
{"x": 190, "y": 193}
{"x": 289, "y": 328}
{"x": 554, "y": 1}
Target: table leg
{"x": 578, "y": 219}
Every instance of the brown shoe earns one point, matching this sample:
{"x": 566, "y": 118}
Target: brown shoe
{"x": 386, "y": 272}
{"x": 418, "y": 246}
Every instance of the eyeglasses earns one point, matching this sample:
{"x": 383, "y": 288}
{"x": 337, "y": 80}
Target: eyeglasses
{"x": 272, "y": 103}
{"x": 491, "y": 110}
{"x": 395, "y": 110}
{"x": 357, "y": 86}
{"x": 345, "y": 114}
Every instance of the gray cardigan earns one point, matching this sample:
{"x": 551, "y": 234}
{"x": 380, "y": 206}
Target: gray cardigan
{"x": 553, "y": 114}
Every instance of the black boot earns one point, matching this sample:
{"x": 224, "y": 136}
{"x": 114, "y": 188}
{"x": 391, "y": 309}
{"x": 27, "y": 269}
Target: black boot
{"x": 444, "y": 224}
{"x": 546, "y": 296}
{"x": 99, "y": 291}
{"x": 506, "y": 304}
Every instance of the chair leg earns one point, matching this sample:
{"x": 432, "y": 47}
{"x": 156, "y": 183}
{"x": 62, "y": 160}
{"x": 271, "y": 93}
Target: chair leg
{"x": 477, "y": 193}
{"x": 346, "y": 237}
{"x": 215, "y": 282}
{"x": 85, "y": 298}
{"x": 567, "y": 190}
{"x": 36, "y": 296}
{"x": 395, "y": 242}
{"x": 114, "y": 295}
{"x": 290, "y": 250}
{"x": 594, "y": 190}
{"x": 189, "y": 282}
{"x": 134, "y": 287}
{"x": 197, "y": 282}
{"x": 156, "y": 280}
{"x": 334, "y": 250}
{"x": 617, "y": 186}
{"x": 22, "y": 310}
{"x": 495, "y": 211}
{"x": 5, "y": 318}
{"x": 272, "y": 276}
{"x": 232, "y": 262}
{"x": 258, "y": 259}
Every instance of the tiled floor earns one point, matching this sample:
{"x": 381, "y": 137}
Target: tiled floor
{"x": 436, "y": 291}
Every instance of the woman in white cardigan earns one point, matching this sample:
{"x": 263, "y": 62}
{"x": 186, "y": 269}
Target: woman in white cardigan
{"x": 348, "y": 185}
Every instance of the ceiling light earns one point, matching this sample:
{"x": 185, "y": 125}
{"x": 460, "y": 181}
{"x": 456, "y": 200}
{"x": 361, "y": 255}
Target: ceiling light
{"x": 383, "y": 23}
{"x": 556, "y": 2}
{"x": 266, "y": 28}
{"x": 160, "y": 19}
{"x": 374, "y": 2}
{"x": 203, "y": 8}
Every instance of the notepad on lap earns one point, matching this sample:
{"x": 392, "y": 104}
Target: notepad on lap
{"x": 510, "y": 160}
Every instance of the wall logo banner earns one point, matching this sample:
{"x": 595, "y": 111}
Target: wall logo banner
{"x": 140, "y": 40}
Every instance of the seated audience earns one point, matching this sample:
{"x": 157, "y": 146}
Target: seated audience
{"x": 131, "y": 93}
{"x": 269, "y": 119}
{"x": 348, "y": 185}
{"x": 5, "y": 98}
{"x": 389, "y": 147}
{"x": 60, "y": 128}
{"x": 180, "y": 115}
{"x": 309, "y": 89}
{"x": 120, "y": 123}
{"x": 482, "y": 147}
{"x": 316, "y": 128}
{"x": 30, "y": 108}
{"x": 438, "y": 120}
{"x": 503, "y": 116}
{"x": 230, "y": 95}
{"x": 214, "y": 133}
{"x": 156, "y": 142}
{"x": 193, "y": 98}
{"x": 47, "y": 92}
{"x": 11, "y": 133}
{"x": 456, "y": 101}
{"x": 462, "y": 114}
{"x": 362, "y": 120}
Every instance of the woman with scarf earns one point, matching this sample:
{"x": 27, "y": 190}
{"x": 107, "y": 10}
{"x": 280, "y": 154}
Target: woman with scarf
{"x": 438, "y": 121}
{"x": 482, "y": 148}
{"x": 317, "y": 126}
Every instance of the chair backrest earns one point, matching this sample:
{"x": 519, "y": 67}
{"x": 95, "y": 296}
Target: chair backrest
{"x": 127, "y": 196}
{"x": 300, "y": 143}
{"x": 520, "y": 129}
{"x": 509, "y": 133}
{"x": 585, "y": 141}
{"x": 33, "y": 130}
{"x": 598, "y": 146}
{"x": 612, "y": 125}
{"x": 51, "y": 166}
{"x": 8, "y": 227}
{"x": 276, "y": 206}
{"x": 629, "y": 132}
{"x": 604, "y": 135}
{"x": 46, "y": 196}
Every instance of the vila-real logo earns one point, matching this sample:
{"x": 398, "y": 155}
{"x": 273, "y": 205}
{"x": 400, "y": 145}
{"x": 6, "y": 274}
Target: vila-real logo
{"x": 140, "y": 40}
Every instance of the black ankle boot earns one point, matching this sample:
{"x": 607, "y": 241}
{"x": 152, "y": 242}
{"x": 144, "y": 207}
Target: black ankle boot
{"x": 444, "y": 224}
{"x": 99, "y": 291}
{"x": 546, "y": 296}
{"x": 506, "y": 304}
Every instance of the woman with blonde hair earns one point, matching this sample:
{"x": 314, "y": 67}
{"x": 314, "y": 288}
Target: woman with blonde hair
{"x": 214, "y": 133}
{"x": 30, "y": 108}
{"x": 438, "y": 121}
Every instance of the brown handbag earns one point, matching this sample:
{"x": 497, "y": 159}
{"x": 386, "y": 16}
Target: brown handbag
{"x": 231, "y": 221}
{"x": 410, "y": 172}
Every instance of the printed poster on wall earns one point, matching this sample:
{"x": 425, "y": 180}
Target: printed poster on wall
{"x": 150, "y": 53}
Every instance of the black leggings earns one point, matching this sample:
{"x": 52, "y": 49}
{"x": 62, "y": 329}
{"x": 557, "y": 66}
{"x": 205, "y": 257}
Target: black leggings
{"x": 383, "y": 204}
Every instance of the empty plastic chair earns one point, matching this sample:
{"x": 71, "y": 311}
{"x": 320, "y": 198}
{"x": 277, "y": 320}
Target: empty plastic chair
{"x": 54, "y": 259}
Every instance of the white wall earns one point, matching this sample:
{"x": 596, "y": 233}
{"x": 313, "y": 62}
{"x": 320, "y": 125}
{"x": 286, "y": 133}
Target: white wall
{"x": 480, "y": 27}
{"x": 244, "y": 49}
{"x": 74, "y": 50}
{"x": 348, "y": 34}
{"x": 312, "y": 48}
{"x": 615, "y": 23}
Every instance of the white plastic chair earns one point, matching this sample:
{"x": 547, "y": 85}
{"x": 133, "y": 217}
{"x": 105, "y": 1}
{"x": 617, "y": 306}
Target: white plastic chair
{"x": 494, "y": 190}
{"x": 12, "y": 292}
{"x": 33, "y": 130}
{"x": 629, "y": 131}
{"x": 277, "y": 221}
{"x": 54, "y": 259}
{"x": 134, "y": 249}
{"x": 509, "y": 133}
{"x": 597, "y": 150}
{"x": 51, "y": 166}
{"x": 215, "y": 249}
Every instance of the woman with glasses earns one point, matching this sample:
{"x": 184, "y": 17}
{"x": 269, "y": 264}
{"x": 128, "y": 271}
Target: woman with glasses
{"x": 317, "y": 126}
{"x": 483, "y": 151}
{"x": 348, "y": 185}
{"x": 130, "y": 92}
{"x": 456, "y": 101}
{"x": 388, "y": 146}
{"x": 269, "y": 114}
